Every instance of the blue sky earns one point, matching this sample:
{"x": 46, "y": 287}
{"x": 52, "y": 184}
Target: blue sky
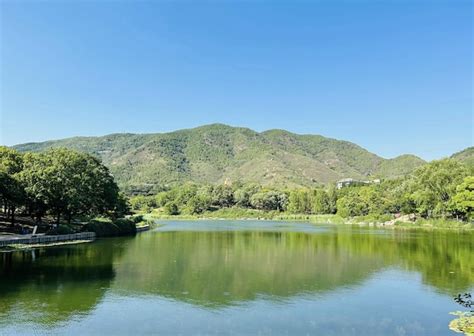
{"x": 392, "y": 76}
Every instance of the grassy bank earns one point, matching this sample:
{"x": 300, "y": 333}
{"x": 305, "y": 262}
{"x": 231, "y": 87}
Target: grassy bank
{"x": 385, "y": 221}
{"x": 440, "y": 224}
{"x": 248, "y": 214}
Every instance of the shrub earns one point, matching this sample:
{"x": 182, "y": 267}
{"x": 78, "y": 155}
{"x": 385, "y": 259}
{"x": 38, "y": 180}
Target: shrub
{"x": 60, "y": 230}
{"x": 119, "y": 227}
{"x": 171, "y": 209}
{"x": 137, "y": 219}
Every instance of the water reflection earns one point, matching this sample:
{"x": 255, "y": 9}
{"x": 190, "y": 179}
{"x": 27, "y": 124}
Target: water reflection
{"x": 54, "y": 284}
{"x": 221, "y": 268}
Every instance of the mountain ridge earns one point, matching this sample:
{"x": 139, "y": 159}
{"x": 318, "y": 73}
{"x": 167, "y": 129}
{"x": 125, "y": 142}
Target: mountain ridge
{"x": 217, "y": 152}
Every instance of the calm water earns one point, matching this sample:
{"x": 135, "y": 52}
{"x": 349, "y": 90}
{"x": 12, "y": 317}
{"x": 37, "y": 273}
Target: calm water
{"x": 240, "y": 278}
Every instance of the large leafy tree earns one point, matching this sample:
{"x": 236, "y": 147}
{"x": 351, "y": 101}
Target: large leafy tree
{"x": 223, "y": 196}
{"x": 352, "y": 204}
{"x": 321, "y": 203}
{"x": 69, "y": 183}
{"x": 269, "y": 200}
{"x": 462, "y": 202}
{"x": 243, "y": 194}
{"x": 434, "y": 184}
{"x": 11, "y": 190}
{"x": 11, "y": 194}
{"x": 299, "y": 201}
{"x": 11, "y": 162}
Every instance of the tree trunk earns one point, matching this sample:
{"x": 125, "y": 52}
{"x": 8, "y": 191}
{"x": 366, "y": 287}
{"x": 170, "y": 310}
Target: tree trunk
{"x": 58, "y": 218}
{"x": 12, "y": 218}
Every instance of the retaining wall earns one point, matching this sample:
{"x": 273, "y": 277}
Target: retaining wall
{"x": 42, "y": 239}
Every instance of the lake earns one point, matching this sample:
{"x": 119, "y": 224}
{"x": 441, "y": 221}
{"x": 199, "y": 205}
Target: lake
{"x": 240, "y": 278}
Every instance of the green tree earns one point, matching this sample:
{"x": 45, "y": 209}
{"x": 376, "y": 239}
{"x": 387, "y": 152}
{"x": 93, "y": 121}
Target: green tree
{"x": 299, "y": 201}
{"x": 332, "y": 198}
{"x": 462, "y": 203}
{"x": 143, "y": 203}
{"x": 199, "y": 203}
{"x": 321, "y": 203}
{"x": 11, "y": 162}
{"x": 351, "y": 204}
{"x": 69, "y": 183}
{"x": 171, "y": 209}
{"x": 270, "y": 200}
{"x": 12, "y": 195}
{"x": 434, "y": 184}
{"x": 223, "y": 196}
{"x": 244, "y": 194}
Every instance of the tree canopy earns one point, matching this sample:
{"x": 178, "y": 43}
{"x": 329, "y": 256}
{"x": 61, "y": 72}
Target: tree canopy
{"x": 59, "y": 182}
{"x": 439, "y": 189}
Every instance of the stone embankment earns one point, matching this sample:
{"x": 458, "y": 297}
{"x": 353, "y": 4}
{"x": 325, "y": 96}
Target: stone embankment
{"x": 12, "y": 240}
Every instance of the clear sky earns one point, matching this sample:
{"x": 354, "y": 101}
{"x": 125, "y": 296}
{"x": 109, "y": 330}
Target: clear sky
{"x": 392, "y": 76}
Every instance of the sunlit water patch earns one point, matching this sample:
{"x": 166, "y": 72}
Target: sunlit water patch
{"x": 240, "y": 278}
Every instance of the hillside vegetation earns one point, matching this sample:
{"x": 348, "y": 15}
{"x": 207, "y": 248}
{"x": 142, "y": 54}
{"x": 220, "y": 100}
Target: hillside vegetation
{"x": 466, "y": 156}
{"x": 215, "y": 153}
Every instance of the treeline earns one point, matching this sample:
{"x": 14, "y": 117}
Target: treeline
{"x": 60, "y": 183}
{"x": 441, "y": 189}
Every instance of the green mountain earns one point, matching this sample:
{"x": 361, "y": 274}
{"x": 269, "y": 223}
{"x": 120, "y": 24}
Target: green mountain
{"x": 216, "y": 153}
{"x": 466, "y": 156}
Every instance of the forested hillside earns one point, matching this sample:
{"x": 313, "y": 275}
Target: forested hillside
{"x": 466, "y": 156}
{"x": 216, "y": 153}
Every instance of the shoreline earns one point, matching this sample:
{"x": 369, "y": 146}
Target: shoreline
{"x": 392, "y": 224}
{"x": 21, "y": 247}
{"x": 24, "y": 242}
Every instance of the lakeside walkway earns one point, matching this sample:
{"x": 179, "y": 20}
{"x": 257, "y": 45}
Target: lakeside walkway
{"x": 28, "y": 239}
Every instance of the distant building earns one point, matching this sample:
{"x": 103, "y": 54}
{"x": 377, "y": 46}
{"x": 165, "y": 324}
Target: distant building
{"x": 347, "y": 182}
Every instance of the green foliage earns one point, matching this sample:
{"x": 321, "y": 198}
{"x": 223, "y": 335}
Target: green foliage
{"x": 109, "y": 228}
{"x": 199, "y": 203}
{"x": 69, "y": 183}
{"x": 463, "y": 324}
{"x": 137, "y": 219}
{"x": 11, "y": 161}
{"x": 223, "y": 196}
{"x": 436, "y": 190}
{"x": 321, "y": 203}
{"x": 171, "y": 209}
{"x": 462, "y": 202}
{"x": 143, "y": 203}
{"x": 269, "y": 200}
{"x": 433, "y": 186}
{"x": 352, "y": 204}
{"x": 465, "y": 156}
{"x": 61, "y": 230}
{"x": 300, "y": 201}
{"x": 12, "y": 192}
{"x": 66, "y": 183}
{"x": 244, "y": 194}
{"x": 59, "y": 182}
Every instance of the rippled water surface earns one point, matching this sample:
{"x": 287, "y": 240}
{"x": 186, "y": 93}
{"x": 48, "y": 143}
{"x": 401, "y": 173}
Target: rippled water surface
{"x": 240, "y": 278}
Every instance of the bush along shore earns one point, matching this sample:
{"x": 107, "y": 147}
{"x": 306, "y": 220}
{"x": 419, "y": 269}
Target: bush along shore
{"x": 405, "y": 222}
{"x": 105, "y": 227}
{"x": 437, "y": 195}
